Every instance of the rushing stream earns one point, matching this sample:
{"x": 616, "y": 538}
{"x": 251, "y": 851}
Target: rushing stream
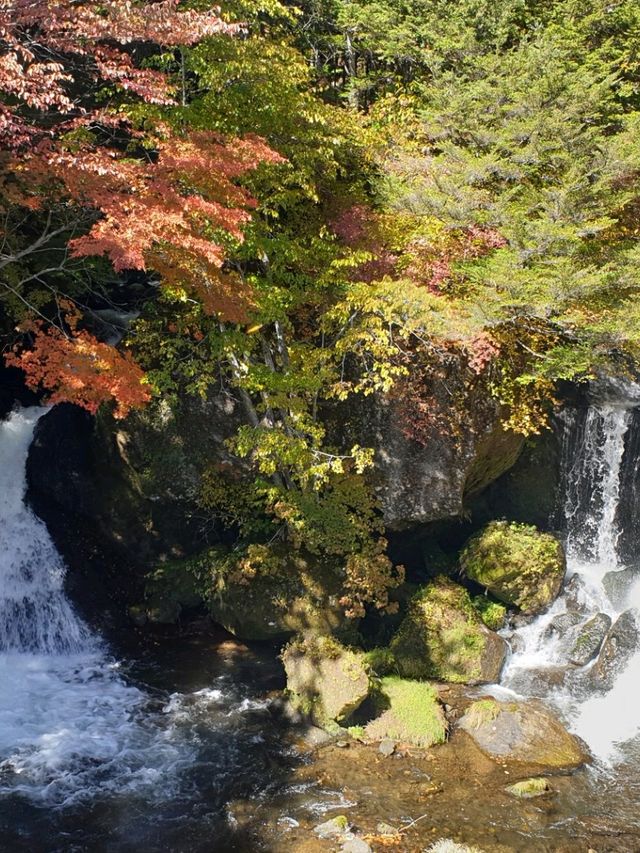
{"x": 166, "y": 752}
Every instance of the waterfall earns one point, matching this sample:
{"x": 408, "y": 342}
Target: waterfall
{"x": 69, "y": 724}
{"x": 598, "y": 478}
{"x": 35, "y": 615}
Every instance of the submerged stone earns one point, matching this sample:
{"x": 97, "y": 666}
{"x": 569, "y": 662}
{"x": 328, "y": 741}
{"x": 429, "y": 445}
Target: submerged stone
{"x": 443, "y": 637}
{"x": 336, "y": 827}
{"x": 522, "y": 733}
{"x": 588, "y": 639}
{"x": 355, "y": 845}
{"x": 517, "y": 563}
{"x": 529, "y": 788}
{"x": 325, "y": 680}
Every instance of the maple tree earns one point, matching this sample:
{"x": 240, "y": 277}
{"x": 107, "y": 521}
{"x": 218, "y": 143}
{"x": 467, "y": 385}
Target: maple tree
{"x": 152, "y": 199}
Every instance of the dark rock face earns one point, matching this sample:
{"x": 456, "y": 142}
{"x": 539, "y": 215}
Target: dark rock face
{"x": 420, "y": 482}
{"x": 619, "y": 644}
{"x": 119, "y": 496}
{"x": 528, "y": 490}
{"x": 13, "y": 391}
{"x": 135, "y": 481}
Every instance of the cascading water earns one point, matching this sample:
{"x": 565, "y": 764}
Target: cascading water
{"x": 596, "y": 469}
{"x": 65, "y": 714}
{"x": 75, "y": 734}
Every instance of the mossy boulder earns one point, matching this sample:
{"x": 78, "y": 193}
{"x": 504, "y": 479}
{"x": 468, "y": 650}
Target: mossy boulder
{"x": 522, "y": 733}
{"x": 443, "y": 637}
{"x": 325, "y": 680}
{"x": 517, "y": 563}
{"x": 411, "y": 713}
{"x": 272, "y": 593}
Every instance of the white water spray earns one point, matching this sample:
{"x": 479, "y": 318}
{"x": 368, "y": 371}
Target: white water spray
{"x": 593, "y": 457}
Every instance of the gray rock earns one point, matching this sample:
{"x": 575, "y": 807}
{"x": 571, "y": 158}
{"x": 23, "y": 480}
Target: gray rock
{"x": 561, "y": 623}
{"x": 336, "y": 827}
{"x": 327, "y": 680}
{"x": 619, "y": 644}
{"x": 574, "y": 593}
{"x": 617, "y": 584}
{"x": 522, "y": 733}
{"x": 588, "y": 639}
{"x": 387, "y": 747}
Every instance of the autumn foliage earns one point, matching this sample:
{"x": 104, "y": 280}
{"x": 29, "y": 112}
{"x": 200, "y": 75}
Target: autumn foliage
{"x": 53, "y": 49}
{"x": 77, "y": 368}
{"x": 156, "y": 199}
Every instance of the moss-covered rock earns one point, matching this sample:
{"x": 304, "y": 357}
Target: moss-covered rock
{"x": 261, "y": 593}
{"x": 443, "y": 637}
{"x": 522, "y": 733}
{"x": 411, "y": 713}
{"x": 517, "y": 563}
{"x": 528, "y": 788}
{"x": 325, "y": 680}
{"x": 287, "y": 593}
{"x": 492, "y": 613}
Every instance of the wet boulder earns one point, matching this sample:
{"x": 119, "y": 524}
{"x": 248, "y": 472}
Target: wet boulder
{"x": 410, "y": 713}
{"x": 541, "y": 681}
{"x": 562, "y": 623}
{"x": 443, "y": 637}
{"x": 575, "y": 594}
{"x": 618, "y": 647}
{"x": 517, "y": 563}
{"x": 522, "y": 733}
{"x": 617, "y": 584}
{"x": 587, "y": 639}
{"x": 325, "y": 680}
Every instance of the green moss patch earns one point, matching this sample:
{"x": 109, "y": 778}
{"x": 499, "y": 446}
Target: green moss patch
{"x": 492, "y": 613}
{"x": 529, "y": 788}
{"x": 412, "y": 713}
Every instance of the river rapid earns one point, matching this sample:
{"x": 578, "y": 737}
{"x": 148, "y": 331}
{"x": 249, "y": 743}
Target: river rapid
{"x": 184, "y": 747}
